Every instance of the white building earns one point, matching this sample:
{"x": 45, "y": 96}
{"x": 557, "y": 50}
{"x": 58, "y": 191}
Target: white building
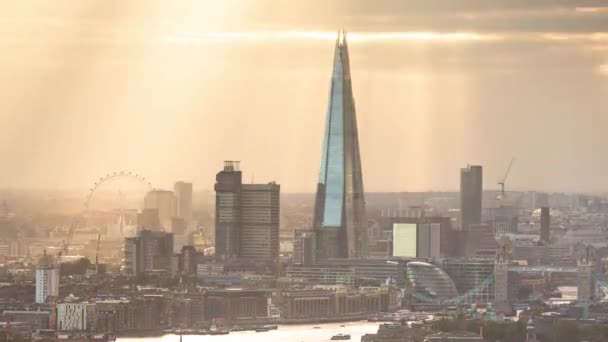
{"x": 75, "y": 316}
{"x": 47, "y": 283}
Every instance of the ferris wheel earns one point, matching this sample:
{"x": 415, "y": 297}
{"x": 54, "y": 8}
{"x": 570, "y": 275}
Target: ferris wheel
{"x": 114, "y": 176}
{"x": 87, "y": 203}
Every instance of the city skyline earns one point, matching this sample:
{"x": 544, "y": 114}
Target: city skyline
{"x": 487, "y": 82}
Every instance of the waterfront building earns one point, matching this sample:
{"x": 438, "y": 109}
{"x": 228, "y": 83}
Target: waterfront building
{"x": 236, "y": 304}
{"x": 75, "y": 316}
{"x": 428, "y": 283}
{"x": 340, "y": 222}
{"x": 456, "y": 336}
{"x": 36, "y": 319}
{"x": 471, "y": 273}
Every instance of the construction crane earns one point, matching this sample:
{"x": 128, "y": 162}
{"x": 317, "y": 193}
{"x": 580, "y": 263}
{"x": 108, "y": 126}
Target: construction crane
{"x": 68, "y": 240}
{"x": 504, "y": 179}
{"x": 97, "y": 254}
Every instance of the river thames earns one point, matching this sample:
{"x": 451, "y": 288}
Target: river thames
{"x": 285, "y": 333}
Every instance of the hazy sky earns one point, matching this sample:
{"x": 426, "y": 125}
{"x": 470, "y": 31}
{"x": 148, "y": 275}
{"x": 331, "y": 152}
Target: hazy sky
{"x": 171, "y": 88}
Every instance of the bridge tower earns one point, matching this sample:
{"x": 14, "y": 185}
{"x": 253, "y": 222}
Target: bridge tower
{"x": 501, "y": 276}
{"x": 585, "y": 279}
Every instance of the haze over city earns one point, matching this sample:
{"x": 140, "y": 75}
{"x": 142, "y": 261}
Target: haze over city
{"x": 170, "y": 89}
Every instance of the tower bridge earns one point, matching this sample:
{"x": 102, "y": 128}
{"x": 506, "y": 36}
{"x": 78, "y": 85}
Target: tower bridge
{"x": 592, "y": 285}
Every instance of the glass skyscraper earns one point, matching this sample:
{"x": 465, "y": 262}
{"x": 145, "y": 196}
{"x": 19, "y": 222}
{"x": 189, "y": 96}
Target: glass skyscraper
{"x": 340, "y": 222}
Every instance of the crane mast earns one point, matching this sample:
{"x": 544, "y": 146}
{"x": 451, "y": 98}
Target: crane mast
{"x": 504, "y": 179}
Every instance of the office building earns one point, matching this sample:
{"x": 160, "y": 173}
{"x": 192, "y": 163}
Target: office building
{"x": 419, "y": 237}
{"x": 148, "y": 219}
{"x": 36, "y": 319}
{"x": 471, "y": 181}
{"x": 470, "y": 273}
{"x": 227, "y": 210}
{"x": 259, "y": 235}
{"x": 236, "y": 304}
{"x": 75, "y": 316}
{"x": 545, "y": 225}
{"x": 322, "y": 275}
{"x": 247, "y": 218}
{"x": 165, "y": 202}
{"x": 148, "y": 251}
{"x": 183, "y": 196}
{"x": 429, "y": 282}
{"x": 502, "y": 215}
{"x": 47, "y": 280}
{"x": 340, "y": 221}
{"x": 304, "y": 249}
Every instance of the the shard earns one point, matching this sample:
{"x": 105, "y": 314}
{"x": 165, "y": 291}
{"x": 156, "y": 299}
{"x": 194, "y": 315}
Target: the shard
{"x": 340, "y": 222}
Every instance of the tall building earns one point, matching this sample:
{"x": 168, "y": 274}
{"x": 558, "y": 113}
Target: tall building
{"x": 471, "y": 181}
{"x": 247, "y": 217}
{"x": 148, "y": 251}
{"x": 340, "y": 221}
{"x": 148, "y": 219}
{"x": 227, "y": 210}
{"x": 47, "y": 280}
{"x": 259, "y": 235}
{"x": 165, "y": 202}
{"x": 183, "y": 195}
{"x": 545, "y": 224}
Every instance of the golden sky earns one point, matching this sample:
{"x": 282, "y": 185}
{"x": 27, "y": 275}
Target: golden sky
{"x": 170, "y": 88}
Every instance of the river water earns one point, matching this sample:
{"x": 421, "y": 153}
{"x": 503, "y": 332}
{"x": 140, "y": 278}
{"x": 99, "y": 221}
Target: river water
{"x": 285, "y": 333}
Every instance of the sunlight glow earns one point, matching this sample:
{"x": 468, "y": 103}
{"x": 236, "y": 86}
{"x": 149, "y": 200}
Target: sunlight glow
{"x": 201, "y": 38}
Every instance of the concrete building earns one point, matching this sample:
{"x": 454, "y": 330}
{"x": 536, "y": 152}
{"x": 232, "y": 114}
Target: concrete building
{"x": 165, "y": 202}
{"x": 545, "y": 225}
{"x": 183, "y": 195}
{"x": 114, "y": 315}
{"x": 47, "y": 280}
{"x": 148, "y": 219}
{"x": 322, "y": 275}
{"x": 340, "y": 220}
{"x": 227, "y": 211}
{"x": 322, "y": 302}
{"x": 471, "y": 184}
{"x": 470, "y": 273}
{"x": 502, "y": 215}
{"x": 148, "y": 251}
{"x": 230, "y": 305}
{"x": 75, "y": 316}
{"x": 422, "y": 237}
{"x": 260, "y": 208}
{"x": 304, "y": 248}
{"x": 457, "y": 336}
{"x": 247, "y": 218}
{"x": 37, "y": 319}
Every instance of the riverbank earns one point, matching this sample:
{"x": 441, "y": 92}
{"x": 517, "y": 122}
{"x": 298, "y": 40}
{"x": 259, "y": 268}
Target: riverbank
{"x": 251, "y": 325}
{"x": 292, "y": 332}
